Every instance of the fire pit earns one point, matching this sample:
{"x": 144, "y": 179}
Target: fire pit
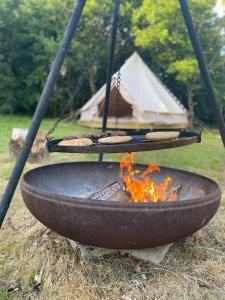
{"x": 71, "y": 198}
{"x": 59, "y": 196}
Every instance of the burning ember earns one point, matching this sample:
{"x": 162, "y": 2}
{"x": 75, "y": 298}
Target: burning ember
{"x": 140, "y": 186}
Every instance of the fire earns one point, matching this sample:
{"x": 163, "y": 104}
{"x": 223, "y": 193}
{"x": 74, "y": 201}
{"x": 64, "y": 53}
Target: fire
{"x": 139, "y": 184}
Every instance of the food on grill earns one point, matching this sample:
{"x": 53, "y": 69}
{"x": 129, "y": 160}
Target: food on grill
{"x": 77, "y": 142}
{"x": 100, "y": 135}
{"x": 162, "y": 136}
{"x": 97, "y": 135}
{"x": 79, "y": 136}
{"x": 115, "y": 140}
{"x": 118, "y": 133}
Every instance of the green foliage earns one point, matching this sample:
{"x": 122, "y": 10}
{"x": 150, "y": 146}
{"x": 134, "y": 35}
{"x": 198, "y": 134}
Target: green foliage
{"x": 184, "y": 69}
{"x": 29, "y": 38}
{"x": 31, "y": 31}
{"x": 30, "y": 34}
{"x": 160, "y": 30}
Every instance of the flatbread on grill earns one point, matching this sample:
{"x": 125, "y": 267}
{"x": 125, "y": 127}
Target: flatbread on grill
{"x": 79, "y": 136}
{"x": 100, "y": 135}
{"x": 97, "y": 135}
{"x": 118, "y": 133}
{"x": 115, "y": 140}
{"x": 77, "y": 142}
{"x": 158, "y": 136}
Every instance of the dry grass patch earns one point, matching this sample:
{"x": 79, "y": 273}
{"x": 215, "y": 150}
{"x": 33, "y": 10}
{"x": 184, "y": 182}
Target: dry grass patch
{"x": 29, "y": 253}
{"x": 193, "y": 269}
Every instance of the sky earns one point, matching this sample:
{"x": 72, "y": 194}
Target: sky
{"x": 219, "y": 8}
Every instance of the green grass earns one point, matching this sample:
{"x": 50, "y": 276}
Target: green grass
{"x": 194, "y": 269}
{"x": 6, "y": 296}
{"x": 206, "y": 158}
{"x": 8, "y": 122}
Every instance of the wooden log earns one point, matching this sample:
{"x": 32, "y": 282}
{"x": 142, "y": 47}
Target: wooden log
{"x": 38, "y": 150}
{"x": 111, "y": 192}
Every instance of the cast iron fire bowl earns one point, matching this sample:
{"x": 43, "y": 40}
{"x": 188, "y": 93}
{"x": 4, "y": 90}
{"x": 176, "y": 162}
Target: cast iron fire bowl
{"x": 57, "y": 195}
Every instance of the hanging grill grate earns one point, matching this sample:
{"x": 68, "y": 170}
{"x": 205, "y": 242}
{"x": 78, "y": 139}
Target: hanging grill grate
{"x": 137, "y": 144}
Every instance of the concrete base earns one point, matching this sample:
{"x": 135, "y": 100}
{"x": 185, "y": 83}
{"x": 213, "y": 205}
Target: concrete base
{"x": 153, "y": 255}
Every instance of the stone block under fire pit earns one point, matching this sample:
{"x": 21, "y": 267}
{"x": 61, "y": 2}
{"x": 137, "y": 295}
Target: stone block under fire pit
{"x": 153, "y": 255}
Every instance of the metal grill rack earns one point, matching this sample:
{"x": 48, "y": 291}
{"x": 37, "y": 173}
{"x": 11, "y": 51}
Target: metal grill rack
{"x": 138, "y": 143}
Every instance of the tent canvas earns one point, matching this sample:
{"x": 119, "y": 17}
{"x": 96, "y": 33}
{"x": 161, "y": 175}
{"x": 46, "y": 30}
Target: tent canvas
{"x": 144, "y": 101}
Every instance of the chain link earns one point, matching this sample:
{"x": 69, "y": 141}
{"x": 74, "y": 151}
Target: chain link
{"x": 80, "y": 83}
{"x": 118, "y": 82}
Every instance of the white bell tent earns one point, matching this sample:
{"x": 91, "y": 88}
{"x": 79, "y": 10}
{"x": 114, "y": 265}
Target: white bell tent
{"x": 144, "y": 101}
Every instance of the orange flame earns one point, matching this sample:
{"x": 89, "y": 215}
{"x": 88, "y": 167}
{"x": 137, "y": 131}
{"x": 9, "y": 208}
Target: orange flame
{"x": 139, "y": 184}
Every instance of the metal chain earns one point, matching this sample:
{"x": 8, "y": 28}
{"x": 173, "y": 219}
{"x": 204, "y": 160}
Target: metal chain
{"x": 74, "y": 93}
{"x": 118, "y": 82}
{"x": 79, "y": 85}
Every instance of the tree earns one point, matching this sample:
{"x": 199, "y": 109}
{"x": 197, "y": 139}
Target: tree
{"x": 160, "y": 30}
{"x": 30, "y": 34}
{"x": 31, "y": 31}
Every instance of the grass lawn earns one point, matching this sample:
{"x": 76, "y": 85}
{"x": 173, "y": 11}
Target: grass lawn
{"x": 193, "y": 269}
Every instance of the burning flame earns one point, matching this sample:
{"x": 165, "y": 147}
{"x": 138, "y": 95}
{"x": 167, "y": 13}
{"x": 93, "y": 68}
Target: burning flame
{"x": 139, "y": 184}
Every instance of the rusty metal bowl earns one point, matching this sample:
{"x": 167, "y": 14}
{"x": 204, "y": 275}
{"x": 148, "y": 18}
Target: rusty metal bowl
{"x": 57, "y": 195}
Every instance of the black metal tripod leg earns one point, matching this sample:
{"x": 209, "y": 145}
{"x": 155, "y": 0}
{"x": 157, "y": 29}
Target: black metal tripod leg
{"x": 40, "y": 110}
{"x": 110, "y": 66}
{"x": 203, "y": 68}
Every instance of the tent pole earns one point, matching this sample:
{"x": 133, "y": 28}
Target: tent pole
{"x": 109, "y": 67}
{"x": 203, "y": 68}
{"x": 40, "y": 110}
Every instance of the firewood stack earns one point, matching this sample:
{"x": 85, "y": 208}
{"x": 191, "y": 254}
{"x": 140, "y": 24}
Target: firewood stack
{"x": 38, "y": 150}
